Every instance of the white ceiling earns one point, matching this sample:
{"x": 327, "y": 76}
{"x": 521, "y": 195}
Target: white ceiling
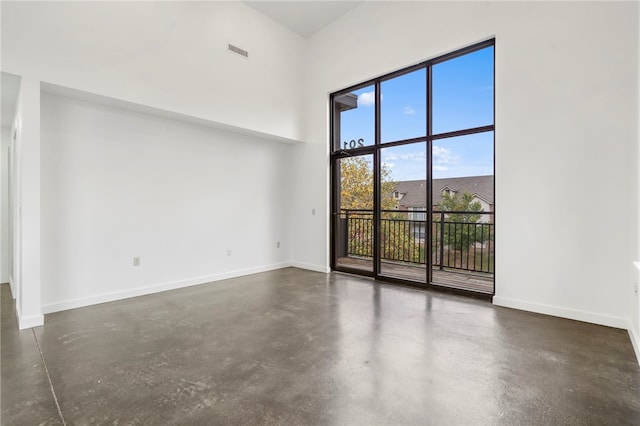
{"x": 304, "y": 17}
{"x": 9, "y": 87}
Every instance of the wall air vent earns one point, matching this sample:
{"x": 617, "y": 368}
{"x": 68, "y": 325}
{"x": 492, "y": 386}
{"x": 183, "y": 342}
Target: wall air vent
{"x": 237, "y": 50}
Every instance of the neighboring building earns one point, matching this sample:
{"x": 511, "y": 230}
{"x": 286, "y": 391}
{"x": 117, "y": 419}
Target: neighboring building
{"x": 412, "y": 195}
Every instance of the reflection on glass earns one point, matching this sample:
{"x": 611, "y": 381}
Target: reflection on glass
{"x": 403, "y": 220}
{"x": 355, "y": 119}
{"x": 354, "y": 231}
{"x": 463, "y": 92}
{"x": 404, "y": 107}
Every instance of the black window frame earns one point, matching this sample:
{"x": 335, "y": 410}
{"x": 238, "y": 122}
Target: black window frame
{"x": 337, "y": 151}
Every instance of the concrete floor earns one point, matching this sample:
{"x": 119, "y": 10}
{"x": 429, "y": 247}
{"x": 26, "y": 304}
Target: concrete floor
{"x": 296, "y": 347}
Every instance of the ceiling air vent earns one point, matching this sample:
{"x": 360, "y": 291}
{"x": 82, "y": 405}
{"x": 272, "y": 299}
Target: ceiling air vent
{"x": 237, "y": 50}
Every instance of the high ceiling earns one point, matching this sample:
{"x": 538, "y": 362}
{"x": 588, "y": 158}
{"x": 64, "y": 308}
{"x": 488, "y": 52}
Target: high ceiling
{"x": 304, "y": 17}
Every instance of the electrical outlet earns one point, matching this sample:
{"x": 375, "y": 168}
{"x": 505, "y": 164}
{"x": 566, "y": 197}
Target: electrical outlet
{"x": 635, "y": 287}
{"x": 277, "y": 244}
{"x": 228, "y": 252}
{"x": 136, "y": 261}
{"x": 313, "y": 212}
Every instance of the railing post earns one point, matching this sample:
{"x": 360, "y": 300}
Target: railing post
{"x": 441, "y": 240}
{"x": 347, "y": 239}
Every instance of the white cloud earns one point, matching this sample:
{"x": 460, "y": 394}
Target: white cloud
{"x": 415, "y": 156}
{"x": 443, "y": 156}
{"x": 411, "y": 165}
{"x": 408, "y": 110}
{"x": 367, "y": 98}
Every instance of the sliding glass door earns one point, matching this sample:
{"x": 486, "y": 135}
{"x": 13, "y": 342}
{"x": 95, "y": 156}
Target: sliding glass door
{"x": 354, "y": 236}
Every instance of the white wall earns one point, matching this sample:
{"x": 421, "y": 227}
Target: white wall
{"x": 310, "y": 193}
{"x": 25, "y": 210}
{"x": 4, "y": 204}
{"x": 634, "y": 301}
{"x": 566, "y": 122}
{"x": 168, "y": 55}
{"x": 118, "y": 184}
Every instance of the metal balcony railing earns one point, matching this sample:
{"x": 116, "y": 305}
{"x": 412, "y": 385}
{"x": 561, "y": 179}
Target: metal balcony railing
{"x": 461, "y": 240}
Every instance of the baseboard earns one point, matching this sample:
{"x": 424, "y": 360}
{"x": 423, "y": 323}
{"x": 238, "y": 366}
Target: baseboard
{"x": 30, "y": 321}
{"x": 311, "y": 267}
{"x": 558, "y": 311}
{"x": 635, "y": 341}
{"x": 156, "y": 288}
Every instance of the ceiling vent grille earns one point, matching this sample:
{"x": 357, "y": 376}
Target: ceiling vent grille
{"x": 238, "y": 51}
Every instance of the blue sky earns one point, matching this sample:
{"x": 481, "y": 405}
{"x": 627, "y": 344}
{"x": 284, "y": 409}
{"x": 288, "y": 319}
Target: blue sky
{"x": 462, "y": 98}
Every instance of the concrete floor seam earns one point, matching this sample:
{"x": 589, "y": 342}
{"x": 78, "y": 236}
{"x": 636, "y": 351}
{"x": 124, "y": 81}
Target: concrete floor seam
{"x": 46, "y": 370}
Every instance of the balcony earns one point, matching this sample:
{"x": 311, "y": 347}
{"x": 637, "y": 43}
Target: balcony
{"x": 462, "y": 246}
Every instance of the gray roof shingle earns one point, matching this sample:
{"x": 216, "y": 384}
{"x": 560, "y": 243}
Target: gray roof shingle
{"x": 415, "y": 193}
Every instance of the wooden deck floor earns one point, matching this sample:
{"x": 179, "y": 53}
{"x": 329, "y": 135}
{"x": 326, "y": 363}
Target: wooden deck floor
{"x": 472, "y": 281}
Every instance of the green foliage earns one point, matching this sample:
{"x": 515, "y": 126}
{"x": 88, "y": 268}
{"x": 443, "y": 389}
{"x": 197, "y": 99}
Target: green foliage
{"x": 356, "y": 193}
{"x": 453, "y": 203}
{"x": 460, "y": 231}
{"x": 399, "y": 239}
{"x": 356, "y": 185}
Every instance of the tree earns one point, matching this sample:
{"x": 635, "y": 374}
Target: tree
{"x": 460, "y": 229}
{"x": 356, "y": 193}
{"x": 356, "y": 185}
{"x": 451, "y": 203}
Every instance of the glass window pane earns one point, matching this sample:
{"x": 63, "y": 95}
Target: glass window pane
{"x": 404, "y": 107}
{"x": 470, "y": 155}
{"x": 463, "y": 92}
{"x": 355, "y": 119}
{"x": 463, "y": 206}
